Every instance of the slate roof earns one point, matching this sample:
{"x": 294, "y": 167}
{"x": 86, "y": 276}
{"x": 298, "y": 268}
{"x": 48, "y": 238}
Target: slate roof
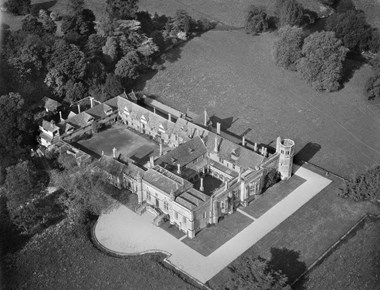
{"x": 50, "y": 104}
{"x": 192, "y": 198}
{"x": 162, "y": 107}
{"x": 100, "y": 111}
{"x": 187, "y": 130}
{"x": 49, "y": 126}
{"x": 184, "y": 153}
{"x": 233, "y": 152}
{"x": 81, "y": 120}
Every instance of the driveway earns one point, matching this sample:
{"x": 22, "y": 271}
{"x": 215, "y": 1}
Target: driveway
{"x": 125, "y": 232}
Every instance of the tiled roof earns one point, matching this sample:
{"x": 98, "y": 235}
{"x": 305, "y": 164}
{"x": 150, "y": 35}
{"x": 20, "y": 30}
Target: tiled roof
{"x": 184, "y": 153}
{"x": 187, "y": 130}
{"x": 162, "y": 107}
{"x": 49, "y": 126}
{"x": 81, "y": 120}
{"x": 100, "y": 111}
{"x": 50, "y": 104}
{"x": 234, "y": 153}
{"x": 111, "y": 165}
{"x": 192, "y": 198}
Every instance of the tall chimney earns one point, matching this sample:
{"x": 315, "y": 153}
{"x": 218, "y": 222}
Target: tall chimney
{"x": 92, "y": 101}
{"x": 102, "y": 152}
{"x": 151, "y": 159}
{"x": 160, "y": 148}
{"x": 218, "y": 128}
{"x": 114, "y": 152}
{"x": 154, "y": 110}
{"x": 205, "y": 120}
{"x": 78, "y": 108}
{"x": 216, "y": 144}
{"x": 243, "y": 141}
{"x": 226, "y": 185}
{"x": 178, "y": 168}
{"x": 201, "y": 188}
{"x": 60, "y": 116}
{"x": 170, "y": 117}
{"x": 265, "y": 151}
{"x": 255, "y": 147}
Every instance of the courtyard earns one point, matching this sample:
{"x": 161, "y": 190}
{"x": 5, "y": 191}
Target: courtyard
{"x": 128, "y": 144}
{"x": 123, "y": 232}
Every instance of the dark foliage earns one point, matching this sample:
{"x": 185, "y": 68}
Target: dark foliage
{"x": 363, "y": 187}
{"x": 372, "y": 87}
{"x": 121, "y": 9}
{"x": 288, "y": 12}
{"x": 112, "y": 87}
{"x": 18, "y": 7}
{"x": 256, "y": 20}
{"x": 181, "y": 22}
{"x": 31, "y": 25}
{"x": 272, "y": 177}
{"x": 78, "y": 27}
{"x": 344, "y": 6}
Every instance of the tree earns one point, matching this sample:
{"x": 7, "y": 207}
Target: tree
{"x": 181, "y": 21}
{"x": 256, "y": 20}
{"x": 127, "y": 67}
{"x": 288, "y": 12}
{"x": 288, "y": 47}
{"x": 372, "y": 87}
{"x": 74, "y": 91}
{"x": 352, "y": 28}
{"x": 121, "y": 9}
{"x": 329, "y": 2}
{"x": 31, "y": 25}
{"x": 255, "y": 273}
{"x": 94, "y": 44}
{"x": 79, "y": 26}
{"x": 18, "y": 7}
{"x": 112, "y": 87}
{"x": 111, "y": 48}
{"x": 344, "y": 6}
{"x": 47, "y": 23}
{"x": 322, "y": 62}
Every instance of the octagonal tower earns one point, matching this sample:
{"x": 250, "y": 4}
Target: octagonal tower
{"x": 285, "y": 148}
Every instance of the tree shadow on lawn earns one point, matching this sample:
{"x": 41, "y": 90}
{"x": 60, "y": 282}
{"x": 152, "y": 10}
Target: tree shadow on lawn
{"x": 352, "y": 63}
{"x": 44, "y": 5}
{"x": 287, "y": 261}
{"x": 307, "y": 152}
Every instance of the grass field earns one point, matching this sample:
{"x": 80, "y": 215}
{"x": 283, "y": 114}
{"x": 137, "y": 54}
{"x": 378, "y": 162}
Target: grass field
{"x": 354, "y": 265}
{"x": 305, "y": 235}
{"x": 234, "y": 77}
{"x": 60, "y": 260}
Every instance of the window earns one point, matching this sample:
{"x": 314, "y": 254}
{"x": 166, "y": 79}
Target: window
{"x": 220, "y": 160}
{"x": 233, "y": 166}
{"x": 184, "y": 220}
{"x": 176, "y": 215}
{"x": 166, "y": 206}
{"x": 148, "y": 195}
{"x": 204, "y": 215}
{"x": 222, "y": 205}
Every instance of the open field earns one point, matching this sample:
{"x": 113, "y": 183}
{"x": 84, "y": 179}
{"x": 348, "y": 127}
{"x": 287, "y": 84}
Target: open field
{"x": 354, "y": 265}
{"x": 298, "y": 241}
{"x": 234, "y": 77}
{"x": 60, "y": 260}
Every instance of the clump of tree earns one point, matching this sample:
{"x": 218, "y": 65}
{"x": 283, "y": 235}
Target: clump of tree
{"x": 288, "y": 47}
{"x": 288, "y": 12}
{"x": 363, "y": 187}
{"x": 18, "y": 7}
{"x": 255, "y": 273}
{"x": 322, "y": 59}
{"x": 354, "y": 31}
{"x": 256, "y": 20}
{"x": 372, "y": 86}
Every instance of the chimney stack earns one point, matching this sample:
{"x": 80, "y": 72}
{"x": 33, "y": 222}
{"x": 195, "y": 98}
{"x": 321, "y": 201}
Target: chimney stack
{"x": 216, "y": 144}
{"x": 201, "y": 188}
{"x": 160, "y": 148}
{"x": 114, "y": 152}
{"x": 243, "y": 141}
{"x": 151, "y": 159}
{"x": 278, "y": 144}
{"x": 60, "y": 116}
{"x": 92, "y": 101}
{"x": 265, "y": 151}
{"x": 218, "y": 128}
{"x": 178, "y": 168}
{"x": 102, "y": 152}
{"x": 170, "y": 117}
{"x": 205, "y": 120}
{"x": 255, "y": 147}
{"x": 78, "y": 108}
{"x": 226, "y": 185}
{"x": 154, "y": 110}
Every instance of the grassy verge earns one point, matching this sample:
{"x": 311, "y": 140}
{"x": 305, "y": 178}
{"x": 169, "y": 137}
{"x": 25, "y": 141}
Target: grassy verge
{"x": 59, "y": 259}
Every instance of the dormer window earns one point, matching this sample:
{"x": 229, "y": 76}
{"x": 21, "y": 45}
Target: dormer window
{"x": 143, "y": 120}
{"x": 126, "y": 111}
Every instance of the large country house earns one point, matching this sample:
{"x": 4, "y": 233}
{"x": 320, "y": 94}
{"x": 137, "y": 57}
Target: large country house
{"x": 201, "y": 178}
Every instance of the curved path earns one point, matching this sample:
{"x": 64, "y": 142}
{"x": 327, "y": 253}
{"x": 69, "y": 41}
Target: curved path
{"x": 124, "y": 232}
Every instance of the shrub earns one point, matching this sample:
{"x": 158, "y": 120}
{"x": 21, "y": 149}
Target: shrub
{"x": 288, "y": 12}
{"x": 256, "y": 20}
{"x": 372, "y": 87}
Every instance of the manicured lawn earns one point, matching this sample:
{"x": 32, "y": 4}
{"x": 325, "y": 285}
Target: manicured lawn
{"x": 272, "y": 196}
{"x": 211, "y": 238}
{"x": 233, "y": 75}
{"x": 126, "y": 142}
{"x": 354, "y": 265}
{"x": 62, "y": 260}
{"x": 305, "y": 235}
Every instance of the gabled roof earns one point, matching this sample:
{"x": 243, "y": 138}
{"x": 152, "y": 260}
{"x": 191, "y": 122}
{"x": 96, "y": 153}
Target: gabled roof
{"x": 50, "y": 104}
{"x": 184, "y": 153}
{"x": 111, "y": 165}
{"x": 187, "y": 130}
{"x": 242, "y": 156}
{"x": 49, "y": 126}
{"x": 192, "y": 198}
{"x": 81, "y": 120}
{"x": 100, "y": 111}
